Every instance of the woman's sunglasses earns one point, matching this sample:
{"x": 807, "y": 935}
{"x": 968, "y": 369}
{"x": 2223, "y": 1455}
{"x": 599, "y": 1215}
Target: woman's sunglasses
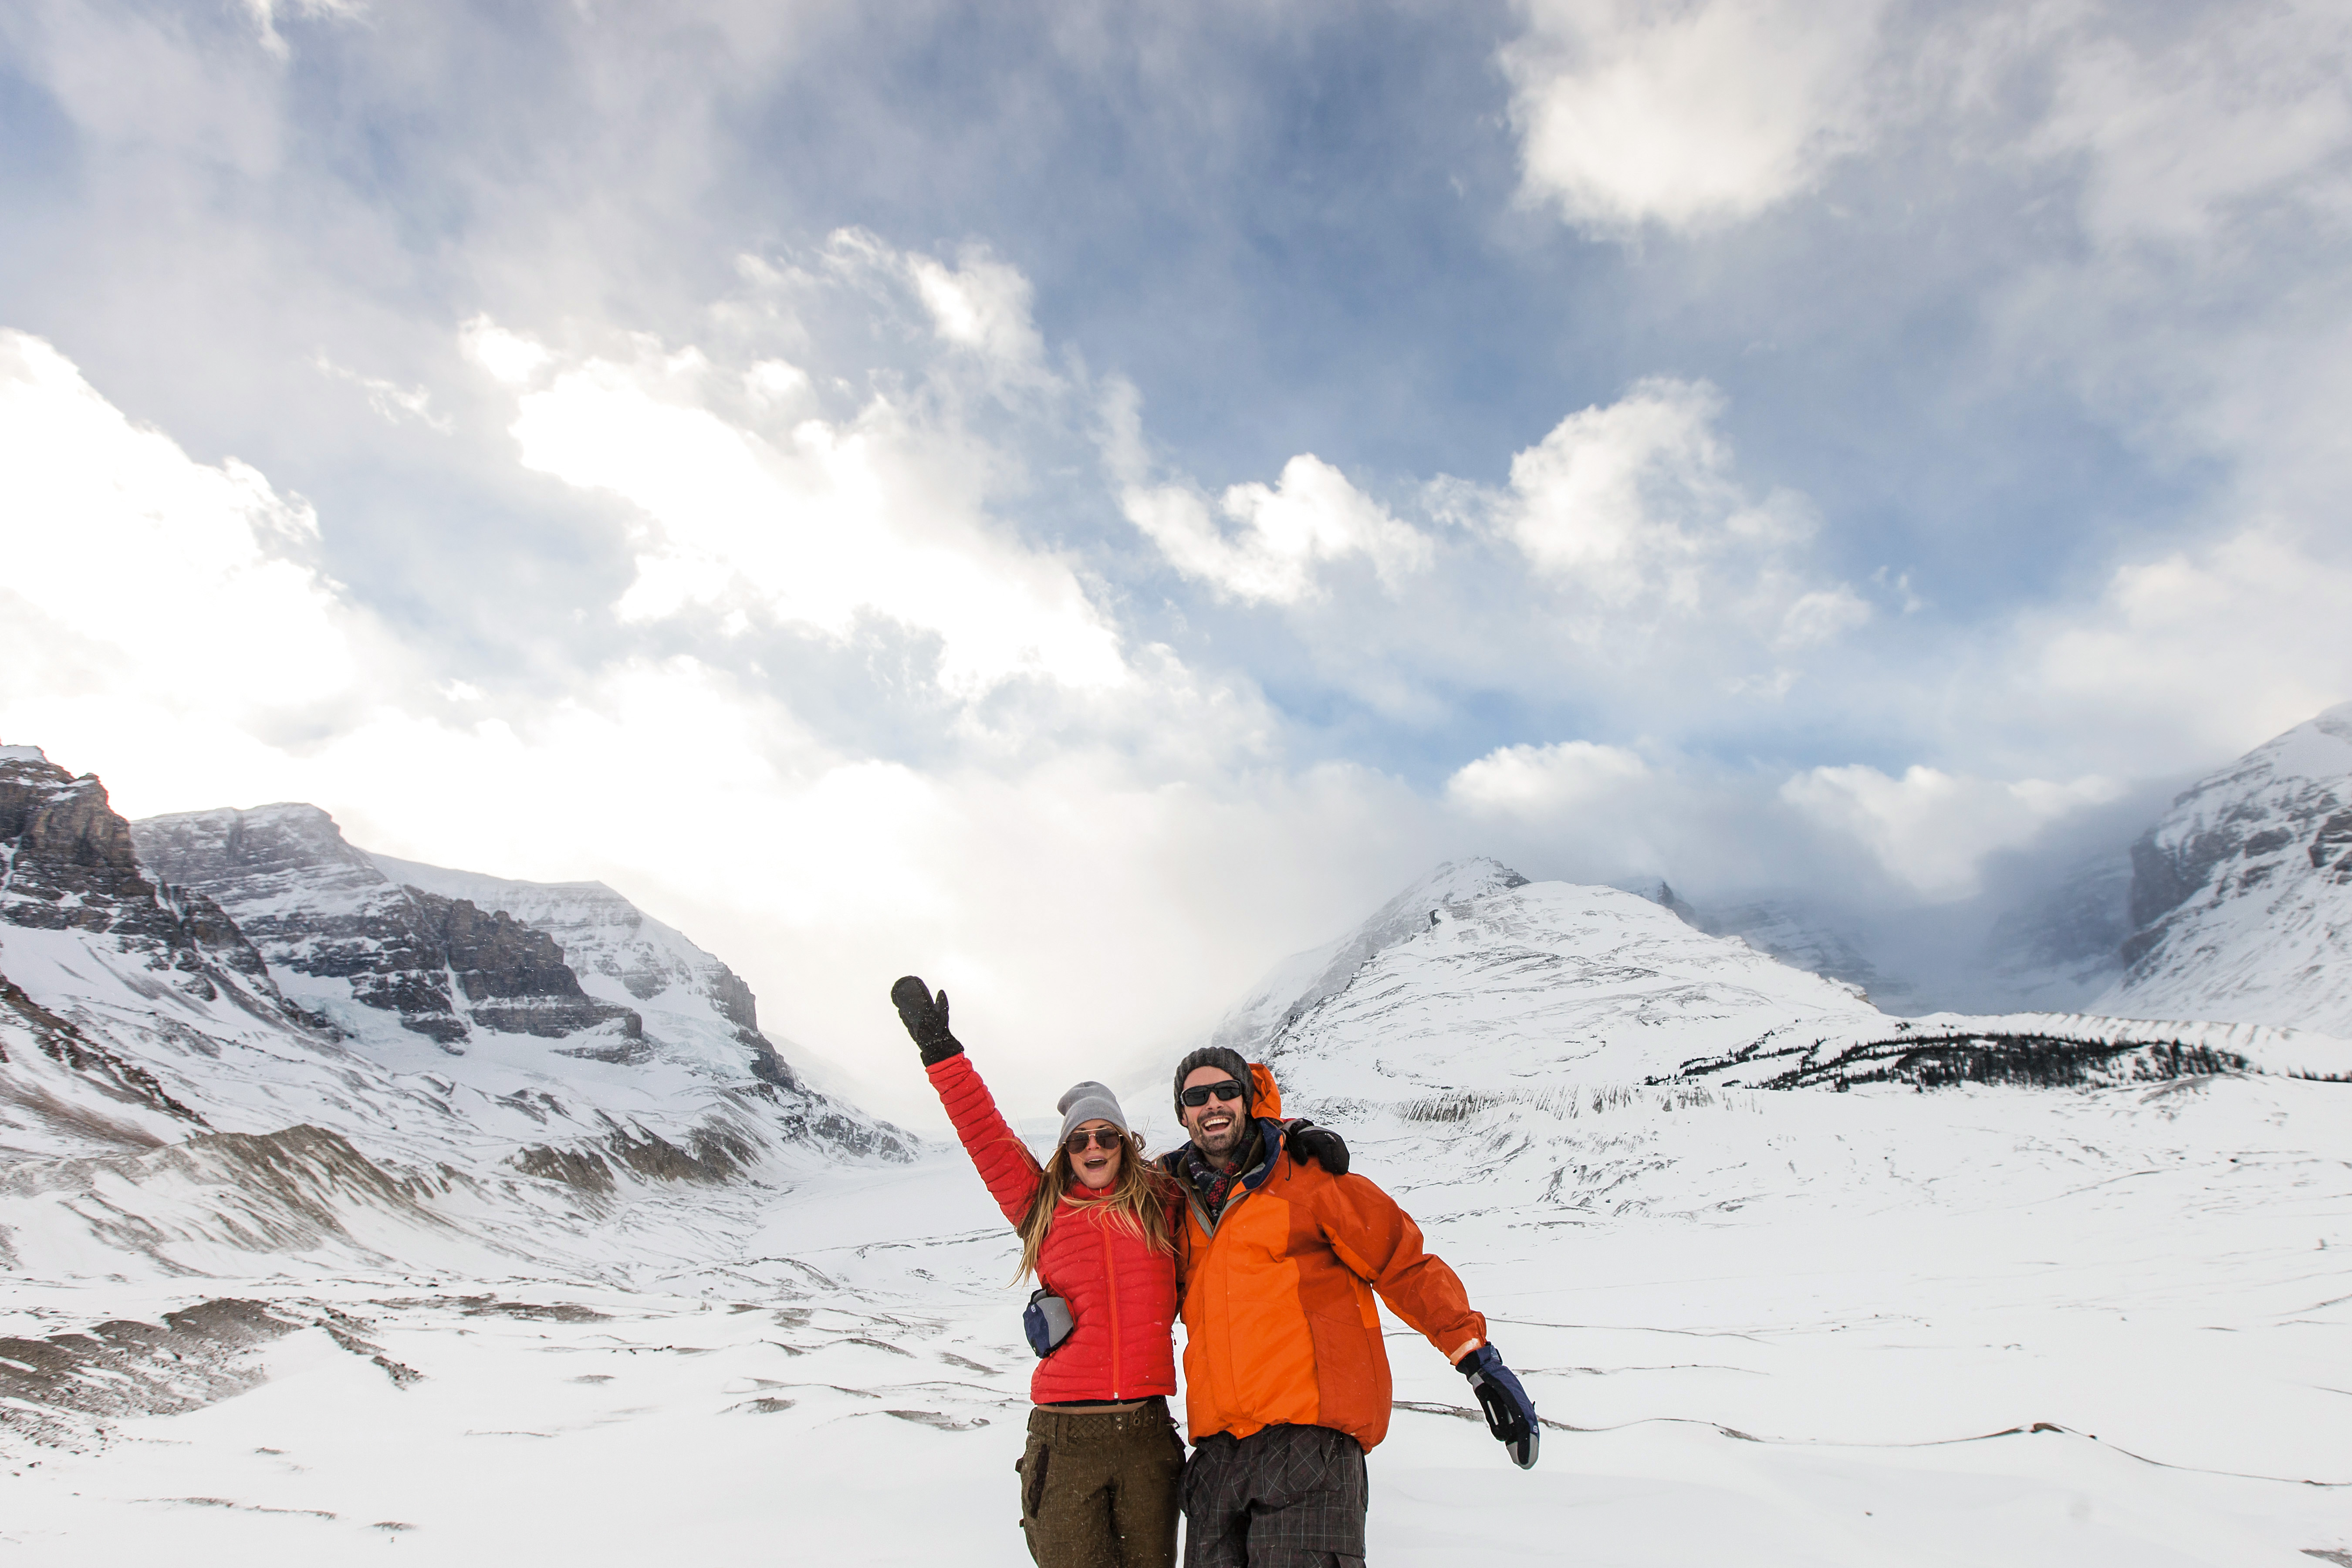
{"x": 1101, "y": 1138}
{"x": 1198, "y": 1093}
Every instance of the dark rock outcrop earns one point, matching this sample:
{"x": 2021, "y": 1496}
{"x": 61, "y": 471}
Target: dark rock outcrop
{"x": 312, "y": 905}
{"x": 68, "y": 861}
{"x": 514, "y": 976}
{"x": 316, "y": 907}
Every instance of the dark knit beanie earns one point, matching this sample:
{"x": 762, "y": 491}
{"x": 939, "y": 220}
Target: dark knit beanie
{"x": 1224, "y": 1057}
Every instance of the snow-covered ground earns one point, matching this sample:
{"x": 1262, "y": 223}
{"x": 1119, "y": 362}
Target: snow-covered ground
{"x": 1773, "y": 1328}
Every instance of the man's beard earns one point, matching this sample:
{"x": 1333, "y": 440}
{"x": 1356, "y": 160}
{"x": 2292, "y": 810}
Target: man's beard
{"x": 1226, "y": 1144}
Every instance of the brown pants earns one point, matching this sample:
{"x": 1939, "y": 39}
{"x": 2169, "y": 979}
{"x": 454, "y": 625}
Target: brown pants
{"x": 1099, "y": 1488}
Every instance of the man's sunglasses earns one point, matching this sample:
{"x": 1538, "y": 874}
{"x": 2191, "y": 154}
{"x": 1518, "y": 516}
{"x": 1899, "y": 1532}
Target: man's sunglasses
{"x": 1198, "y": 1093}
{"x": 1101, "y": 1138}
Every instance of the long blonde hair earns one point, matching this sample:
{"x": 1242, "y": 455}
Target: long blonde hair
{"x": 1137, "y": 1202}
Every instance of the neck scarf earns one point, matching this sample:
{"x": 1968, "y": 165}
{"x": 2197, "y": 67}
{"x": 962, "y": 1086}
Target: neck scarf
{"x": 1217, "y": 1184}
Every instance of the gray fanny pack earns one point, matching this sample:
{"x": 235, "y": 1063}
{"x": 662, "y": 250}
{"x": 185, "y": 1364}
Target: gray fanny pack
{"x": 1047, "y": 1322}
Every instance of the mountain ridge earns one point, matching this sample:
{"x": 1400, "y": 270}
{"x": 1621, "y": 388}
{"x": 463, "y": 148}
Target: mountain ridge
{"x": 449, "y": 1049}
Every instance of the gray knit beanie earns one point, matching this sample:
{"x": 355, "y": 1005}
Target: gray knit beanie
{"x": 1224, "y": 1057}
{"x": 1090, "y": 1101}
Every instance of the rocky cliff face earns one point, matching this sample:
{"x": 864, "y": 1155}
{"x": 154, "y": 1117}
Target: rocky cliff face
{"x": 82, "y": 923}
{"x": 2241, "y": 901}
{"x": 250, "y": 971}
{"x": 689, "y": 1002}
{"x": 515, "y": 977}
{"x": 346, "y": 937}
{"x": 68, "y": 863}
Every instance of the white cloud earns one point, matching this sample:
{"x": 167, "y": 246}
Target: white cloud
{"x": 1689, "y": 115}
{"x": 2194, "y": 655}
{"x": 1933, "y": 829}
{"x": 264, "y": 15}
{"x": 1309, "y": 516}
{"x": 1543, "y": 781}
{"x": 981, "y": 304}
{"x": 1628, "y": 499}
{"x": 873, "y": 516}
{"x": 1635, "y": 520}
{"x": 1823, "y": 616}
{"x": 1083, "y": 904}
{"x": 137, "y": 577}
{"x": 508, "y": 357}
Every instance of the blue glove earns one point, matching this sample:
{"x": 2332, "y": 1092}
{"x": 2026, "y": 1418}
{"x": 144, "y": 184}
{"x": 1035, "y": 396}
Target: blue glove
{"x": 1510, "y": 1413}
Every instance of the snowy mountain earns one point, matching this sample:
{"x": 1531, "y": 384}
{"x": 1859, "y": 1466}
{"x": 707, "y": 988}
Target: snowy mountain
{"x": 1523, "y": 990}
{"x": 256, "y": 1035}
{"x": 2241, "y": 897}
{"x": 1304, "y": 979}
{"x": 1550, "y": 1052}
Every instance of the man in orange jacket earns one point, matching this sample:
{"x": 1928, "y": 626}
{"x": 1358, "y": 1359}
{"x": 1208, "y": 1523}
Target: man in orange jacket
{"x": 1286, "y": 1381}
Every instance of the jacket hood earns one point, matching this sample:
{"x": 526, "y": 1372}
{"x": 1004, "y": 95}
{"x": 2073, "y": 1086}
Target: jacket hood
{"x": 1265, "y": 1098}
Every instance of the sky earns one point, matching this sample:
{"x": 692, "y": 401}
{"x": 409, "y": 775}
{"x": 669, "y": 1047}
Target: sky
{"x": 1080, "y": 501}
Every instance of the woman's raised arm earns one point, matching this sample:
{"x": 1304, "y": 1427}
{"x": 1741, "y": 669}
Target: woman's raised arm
{"x": 1005, "y": 1163}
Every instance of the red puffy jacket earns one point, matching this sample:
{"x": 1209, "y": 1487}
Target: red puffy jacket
{"x": 1122, "y": 1293}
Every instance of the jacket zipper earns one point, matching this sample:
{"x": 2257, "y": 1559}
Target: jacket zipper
{"x": 1110, "y": 1286}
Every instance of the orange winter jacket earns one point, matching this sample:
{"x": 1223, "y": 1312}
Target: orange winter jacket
{"x": 1279, "y": 1323}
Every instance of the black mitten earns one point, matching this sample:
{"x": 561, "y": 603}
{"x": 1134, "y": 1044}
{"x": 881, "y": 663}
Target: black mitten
{"x": 1320, "y": 1144}
{"x": 926, "y": 1018}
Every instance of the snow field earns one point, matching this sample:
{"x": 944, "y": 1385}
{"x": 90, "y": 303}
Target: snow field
{"x": 1840, "y": 1364}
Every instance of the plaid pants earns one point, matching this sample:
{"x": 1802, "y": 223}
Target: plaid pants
{"x": 1284, "y": 1497}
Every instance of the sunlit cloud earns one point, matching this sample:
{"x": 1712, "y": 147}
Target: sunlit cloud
{"x": 1281, "y": 531}
{"x": 1685, "y": 116}
{"x": 873, "y": 516}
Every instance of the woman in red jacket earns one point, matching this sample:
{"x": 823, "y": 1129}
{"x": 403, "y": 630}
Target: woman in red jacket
{"x": 1099, "y": 1478}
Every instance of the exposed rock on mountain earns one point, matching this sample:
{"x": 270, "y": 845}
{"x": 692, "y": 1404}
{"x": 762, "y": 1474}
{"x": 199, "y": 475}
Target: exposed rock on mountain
{"x": 2241, "y": 901}
{"x": 342, "y": 933}
{"x": 624, "y": 957}
{"x": 514, "y": 976}
{"x": 335, "y": 931}
{"x": 70, "y": 865}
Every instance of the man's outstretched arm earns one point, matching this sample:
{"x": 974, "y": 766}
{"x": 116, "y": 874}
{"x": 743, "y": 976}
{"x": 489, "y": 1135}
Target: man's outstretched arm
{"x": 1378, "y": 1241}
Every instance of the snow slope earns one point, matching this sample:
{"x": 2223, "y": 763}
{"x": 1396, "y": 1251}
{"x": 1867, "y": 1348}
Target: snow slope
{"x": 1303, "y": 979}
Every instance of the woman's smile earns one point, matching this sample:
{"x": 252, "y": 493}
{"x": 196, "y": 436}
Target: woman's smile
{"x": 1097, "y": 1168}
